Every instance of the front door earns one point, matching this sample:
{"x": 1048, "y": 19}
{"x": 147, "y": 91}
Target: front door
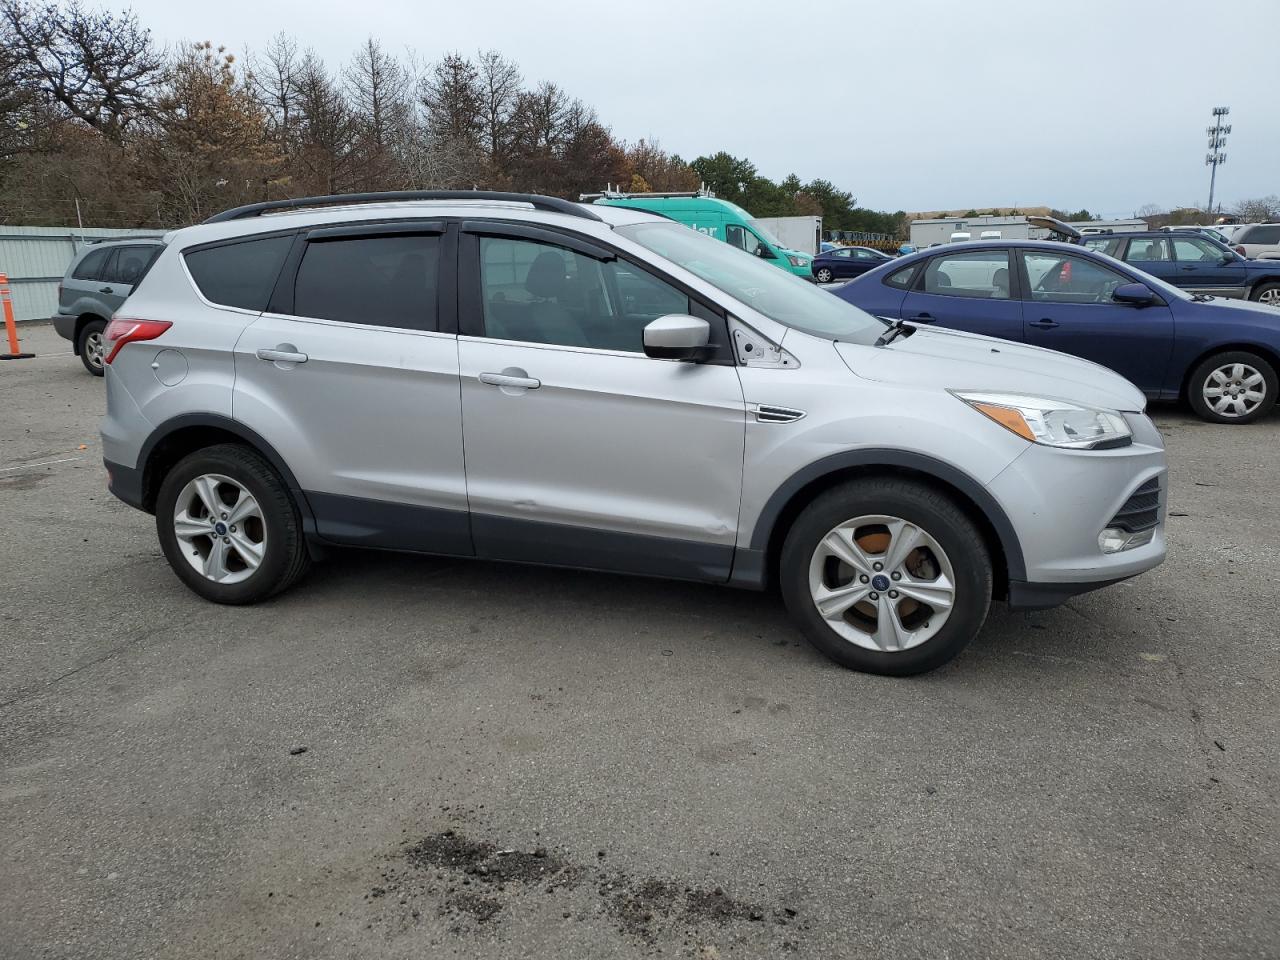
{"x": 970, "y": 290}
{"x": 1069, "y": 308}
{"x": 1205, "y": 266}
{"x": 350, "y": 378}
{"x": 580, "y": 450}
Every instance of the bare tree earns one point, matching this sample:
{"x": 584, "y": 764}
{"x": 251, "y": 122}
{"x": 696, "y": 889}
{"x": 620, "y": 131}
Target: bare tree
{"x": 100, "y": 67}
{"x": 452, "y": 96}
{"x": 325, "y": 159}
{"x": 378, "y": 93}
{"x": 1258, "y": 210}
{"x": 1149, "y": 210}
{"x": 499, "y": 87}
{"x": 273, "y": 78}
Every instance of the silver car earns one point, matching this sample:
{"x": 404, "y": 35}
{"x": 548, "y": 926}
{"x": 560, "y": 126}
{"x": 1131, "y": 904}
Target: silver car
{"x": 521, "y": 378}
{"x": 100, "y": 278}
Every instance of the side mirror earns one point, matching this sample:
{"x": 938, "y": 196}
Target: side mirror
{"x": 1230, "y": 258}
{"x": 764, "y": 253}
{"x": 1134, "y": 294}
{"x": 677, "y": 337}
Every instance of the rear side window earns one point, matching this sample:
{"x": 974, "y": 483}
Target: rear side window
{"x": 1268, "y": 233}
{"x": 131, "y": 263}
{"x": 90, "y": 268}
{"x": 386, "y": 281}
{"x": 239, "y": 274}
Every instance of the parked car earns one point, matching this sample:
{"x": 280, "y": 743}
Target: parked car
{"x": 1258, "y": 240}
{"x": 1221, "y": 355}
{"x": 844, "y": 262}
{"x": 514, "y": 377}
{"x": 99, "y": 279}
{"x": 1196, "y": 262}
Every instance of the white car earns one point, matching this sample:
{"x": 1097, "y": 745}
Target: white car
{"x": 1258, "y": 241}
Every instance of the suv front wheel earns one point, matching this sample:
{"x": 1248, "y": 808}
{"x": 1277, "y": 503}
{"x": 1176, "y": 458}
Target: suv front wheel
{"x": 229, "y": 527}
{"x": 886, "y": 576}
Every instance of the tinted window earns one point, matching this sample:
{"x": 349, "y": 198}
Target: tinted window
{"x": 239, "y": 274}
{"x": 90, "y": 268}
{"x": 1195, "y": 250}
{"x": 384, "y": 281}
{"x": 901, "y": 278}
{"x": 983, "y": 274}
{"x": 540, "y": 293}
{"x": 131, "y": 263}
{"x": 1268, "y": 233}
{"x": 1069, "y": 279}
{"x": 1148, "y": 250}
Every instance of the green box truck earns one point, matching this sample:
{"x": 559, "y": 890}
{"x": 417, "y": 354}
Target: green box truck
{"x": 717, "y": 218}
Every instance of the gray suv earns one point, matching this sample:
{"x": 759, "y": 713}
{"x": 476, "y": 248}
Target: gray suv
{"x": 521, "y": 378}
{"x": 100, "y": 278}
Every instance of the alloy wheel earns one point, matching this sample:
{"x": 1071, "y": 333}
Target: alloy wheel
{"x": 1270, "y": 297}
{"x": 824, "y": 275}
{"x": 220, "y": 528}
{"x": 1234, "y": 390}
{"x": 882, "y": 583}
{"x": 93, "y": 349}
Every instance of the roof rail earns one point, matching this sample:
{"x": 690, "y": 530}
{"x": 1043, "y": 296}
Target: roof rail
{"x": 537, "y": 201}
{"x": 609, "y": 193}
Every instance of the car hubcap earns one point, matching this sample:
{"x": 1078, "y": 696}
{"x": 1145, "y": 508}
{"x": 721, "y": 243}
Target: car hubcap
{"x": 824, "y": 276}
{"x": 1270, "y": 297}
{"x": 1234, "y": 390}
{"x": 882, "y": 583}
{"x": 220, "y": 528}
{"x": 93, "y": 348}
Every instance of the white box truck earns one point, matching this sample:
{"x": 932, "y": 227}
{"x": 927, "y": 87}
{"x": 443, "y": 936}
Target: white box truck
{"x": 796, "y": 233}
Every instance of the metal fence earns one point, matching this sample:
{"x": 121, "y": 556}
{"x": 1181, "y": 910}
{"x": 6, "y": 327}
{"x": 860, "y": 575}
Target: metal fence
{"x": 35, "y": 258}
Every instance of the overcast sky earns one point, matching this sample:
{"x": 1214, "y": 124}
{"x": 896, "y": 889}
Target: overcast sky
{"x": 913, "y": 105}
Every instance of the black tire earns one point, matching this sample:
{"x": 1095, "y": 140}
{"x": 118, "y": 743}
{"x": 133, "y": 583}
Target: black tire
{"x": 818, "y": 275}
{"x": 1271, "y": 291}
{"x": 285, "y": 559}
{"x": 918, "y": 504}
{"x": 90, "y": 357}
{"x": 1197, "y": 383}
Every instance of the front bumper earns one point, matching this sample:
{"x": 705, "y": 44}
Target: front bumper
{"x": 66, "y": 326}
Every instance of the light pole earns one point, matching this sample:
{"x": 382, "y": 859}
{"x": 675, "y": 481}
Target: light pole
{"x": 1217, "y": 140}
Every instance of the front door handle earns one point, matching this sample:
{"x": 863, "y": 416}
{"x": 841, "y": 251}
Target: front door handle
{"x": 922, "y": 318}
{"x": 1186, "y": 268}
{"x": 282, "y": 356}
{"x": 509, "y": 380}
{"x": 1045, "y": 324}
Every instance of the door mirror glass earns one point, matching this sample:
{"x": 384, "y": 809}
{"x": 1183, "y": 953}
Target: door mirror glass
{"x": 1136, "y": 294}
{"x": 677, "y": 337}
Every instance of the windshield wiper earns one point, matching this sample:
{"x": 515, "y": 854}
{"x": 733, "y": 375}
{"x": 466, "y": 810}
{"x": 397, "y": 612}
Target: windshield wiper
{"x": 1201, "y": 297}
{"x": 897, "y": 328}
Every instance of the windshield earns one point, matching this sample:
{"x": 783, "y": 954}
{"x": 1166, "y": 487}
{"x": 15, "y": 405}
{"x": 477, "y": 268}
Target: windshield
{"x": 777, "y": 294}
{"x": 765, "y": 233}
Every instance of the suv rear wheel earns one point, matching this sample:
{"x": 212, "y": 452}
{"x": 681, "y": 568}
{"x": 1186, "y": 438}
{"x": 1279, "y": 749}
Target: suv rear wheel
{"x": 886, "y": 576}
{"x": 229, "y": 527}
{"x": 90, "y": 346}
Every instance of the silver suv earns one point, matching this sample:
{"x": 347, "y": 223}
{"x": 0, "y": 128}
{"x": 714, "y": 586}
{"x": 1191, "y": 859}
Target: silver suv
{"x": 99, "y": 279}
{"x": 522, "y": 378}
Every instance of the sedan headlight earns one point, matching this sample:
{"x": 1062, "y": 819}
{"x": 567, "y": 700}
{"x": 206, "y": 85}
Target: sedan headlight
{"x": 799, "y": 261}
{"x": 1054, "y": 423}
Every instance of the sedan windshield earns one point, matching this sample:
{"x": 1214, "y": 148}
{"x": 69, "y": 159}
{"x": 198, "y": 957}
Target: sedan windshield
{"x": 777, "y": 294}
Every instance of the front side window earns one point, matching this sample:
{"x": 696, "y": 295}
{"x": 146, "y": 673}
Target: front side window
{"x": 381, "y": 281}
{"x": 542, "y": 293}
{"x": 1196, "y": 250}
{"x": 982, "y": 274}
{"x": 239, "y": 274}
{"x": 742, "y": 238}
{"x": 1148, "y": 250}
{"x": 90, "y": 268}
{"x": 1067, "y": 279}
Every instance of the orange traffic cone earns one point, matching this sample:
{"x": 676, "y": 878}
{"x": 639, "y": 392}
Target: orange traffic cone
{"x": 10, "y": 327}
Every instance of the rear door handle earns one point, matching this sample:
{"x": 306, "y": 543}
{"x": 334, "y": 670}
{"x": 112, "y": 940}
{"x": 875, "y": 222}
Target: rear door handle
{"x": 282, "y": 356}
{"x": 1045, "y": 324}
{"x": 922, "y": 318}
{"x": 104, "y": 290}
{"x": 507, "y": 380}
{"x": 1186, "y": 268}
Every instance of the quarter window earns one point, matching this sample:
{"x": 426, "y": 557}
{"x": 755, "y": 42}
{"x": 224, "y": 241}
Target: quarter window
{"x": 239, "y": 274}
{"x": 1067, "y": 279}
{"x": 386, "y": 281}
{"x": 901, "y": 278}
{"x": 542, "y": 293}
{"x": 981, "y": 274}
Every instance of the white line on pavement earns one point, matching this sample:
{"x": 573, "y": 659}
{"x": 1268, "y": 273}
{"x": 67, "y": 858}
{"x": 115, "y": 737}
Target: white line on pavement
{"x": 42, "y": 463}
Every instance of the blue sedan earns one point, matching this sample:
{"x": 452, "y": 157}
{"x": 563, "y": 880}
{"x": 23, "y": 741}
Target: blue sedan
{"x": 1221, "y": 355}
{"x": 844, "y": 262}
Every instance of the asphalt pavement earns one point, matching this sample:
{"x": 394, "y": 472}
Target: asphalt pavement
{"x": 416, "y": 757}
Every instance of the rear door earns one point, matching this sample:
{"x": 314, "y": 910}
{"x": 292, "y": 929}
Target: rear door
{"x": 124, "y": 269}
{"x": 1153, "y": 255}
{"x": 968, "y": 290}
{"x": 1068, "y": 307}
{"x": 352, "y": 376}
{"x": 1202, "y": 265}
{"x": 581, "y": 450}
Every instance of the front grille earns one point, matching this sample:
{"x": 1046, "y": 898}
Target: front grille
{"x": 1142, "y": 510}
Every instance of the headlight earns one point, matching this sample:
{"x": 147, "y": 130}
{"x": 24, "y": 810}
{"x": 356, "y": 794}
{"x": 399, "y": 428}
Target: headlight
{"x": 798, "y": 261}
{"x": 1054, "y": 423}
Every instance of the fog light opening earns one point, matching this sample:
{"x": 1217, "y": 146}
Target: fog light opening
{"x": 1117, "y": 539}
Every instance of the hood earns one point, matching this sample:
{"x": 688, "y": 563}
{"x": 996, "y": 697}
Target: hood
{"x": 967, "y": 361}
{"x": 1056, "y": 225}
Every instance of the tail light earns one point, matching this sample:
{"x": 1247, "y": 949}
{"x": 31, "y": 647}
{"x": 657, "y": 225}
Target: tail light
{"x": 119, "y": 332}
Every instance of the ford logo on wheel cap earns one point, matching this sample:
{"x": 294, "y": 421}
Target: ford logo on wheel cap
{"x": 880, "y": 581}
{"x": 220, "y": 528}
